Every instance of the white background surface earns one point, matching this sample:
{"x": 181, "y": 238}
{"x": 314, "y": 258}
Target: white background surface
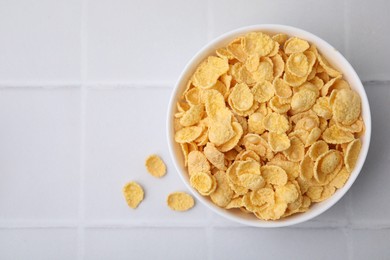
{"x": 84, "y": 88}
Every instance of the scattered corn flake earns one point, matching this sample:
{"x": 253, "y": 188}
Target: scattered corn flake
{"x": 133, "y": 193}
{"x": 180, "y": 201}
{"x": 155, "y": 166}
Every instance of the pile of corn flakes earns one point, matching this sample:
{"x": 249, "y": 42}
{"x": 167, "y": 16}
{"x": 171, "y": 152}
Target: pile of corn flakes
{"x": 268, "y": 126}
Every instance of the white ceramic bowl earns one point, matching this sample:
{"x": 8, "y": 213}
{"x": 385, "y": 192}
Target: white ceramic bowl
{"x": 334, "y": 57}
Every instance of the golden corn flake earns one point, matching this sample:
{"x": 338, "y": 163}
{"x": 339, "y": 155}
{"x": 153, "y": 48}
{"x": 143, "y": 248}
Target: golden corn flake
{"x": 276, "y": 123}
{"x": 335, "y": 135}
{"x": 274, "y": 175}
{"x": 352, "y": 154}
{"x": 263, "y": 92}
{"x": 188, "y": 134}
{"x": 303, "y": 100}
{"x": 133, "y": 193}
{"x": 192, "y": 116}
{"x": 268, "y": 126}
{"x": 278, "y": 142}
{"x": 241, "y": 97}
{"x": 214, "y": 156}
{"x": 203, "y": 182}
{"x": 318, "y": 148}
{"x": 197, "y": 162}
{"x": 346, "y": 106}
{"x": 341, "y": 178}
{"x": 295, "y": 45}
{"x": 297, "y": 64}
{"x": 255, "y": 123}
{"x": 155, "y": 166}
{"x": 293, "y": 80}
{"x": 207, "y": 74}
{"x": 306, "y": 168}
{"x": 258, "y": 43}
{"x": 230, "y": 144}
{"x": 223, "y": 194}
{"x": 180, "y": 201}
{"x": 278, "y": 65}
{"x": 282, "y": 89}
{"x": 327, "y": 164}
{"x": 296, "y": 151}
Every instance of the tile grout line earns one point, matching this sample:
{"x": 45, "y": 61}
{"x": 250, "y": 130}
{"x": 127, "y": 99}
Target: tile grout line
{"x": 83, "y": 72}
{"x": 210, "y": 20}
{"x": 347, "y": 29}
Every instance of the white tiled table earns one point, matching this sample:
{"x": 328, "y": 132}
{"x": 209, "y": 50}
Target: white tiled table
{"x": 84, "y": 87}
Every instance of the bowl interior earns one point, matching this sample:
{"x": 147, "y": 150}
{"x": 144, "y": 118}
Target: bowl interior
{"x": 334, "y": 57}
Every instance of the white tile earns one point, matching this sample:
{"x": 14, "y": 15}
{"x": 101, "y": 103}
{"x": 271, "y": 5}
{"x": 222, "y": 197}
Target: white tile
{"x": 368, "y": 37}
{"x": 370, "y": 244}
{"x": 370, "y": 192}
{"x": 282, "y": 243}
{"x": 39, "y": 151}
{"x": 143, "y": 40}
{"x": 38, "y": 244}
{"x": 323, "y": 18}
{"x": 40, "y": 41}
{"x": 123, "y": 127}
{"x": 146, "y": 243}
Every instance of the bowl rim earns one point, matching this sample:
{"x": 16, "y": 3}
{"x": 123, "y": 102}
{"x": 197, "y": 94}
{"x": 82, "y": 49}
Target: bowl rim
{"x": 275, "y": 28}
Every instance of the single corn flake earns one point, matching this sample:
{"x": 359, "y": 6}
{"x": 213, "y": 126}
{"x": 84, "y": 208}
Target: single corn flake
{"x": 297, "y": 64}
{"x": 295, "y": 45}
{"x": 278, "y": 142}
{"x": 335, "y": 135}
{"x": 317, "y": 149}
{"x": 197, "y": 162}
{"x": 180, "y": 201}
{"x": 296, "y": 151}
{"x": 203, "y": 182}
{"x": 352, "y": 154}
{"x": 241, "y": 97}
{"x": 346, "y": 106}
{"x": 133, "y": 193}
{"x": 276, "y": 123}
{"x": 188, "y": 134}
{"x": 263, "y": 91}
{"x": 328, "y": 164}
{"x": 274, "y": 175}
{"x": 282, "y": 89}
{"x": 223, "y": 193}
{"x": 207, "y": 74}
{"x": 155, "y": 166}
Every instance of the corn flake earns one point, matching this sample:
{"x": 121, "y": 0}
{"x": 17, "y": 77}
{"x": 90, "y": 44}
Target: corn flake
{"x": 180, "y": 201}
{"x": 155, "y": 166}
{"x": 133, "y": 193}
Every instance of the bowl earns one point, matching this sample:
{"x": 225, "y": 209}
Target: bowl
{"x": 335, "y": 58}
